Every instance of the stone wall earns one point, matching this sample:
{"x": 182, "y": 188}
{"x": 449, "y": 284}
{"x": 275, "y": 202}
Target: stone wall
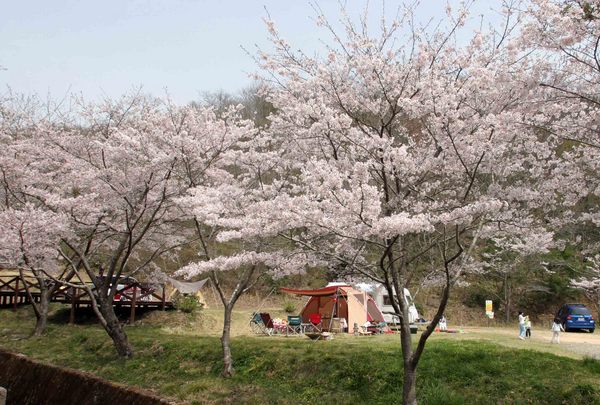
{"x": 30, "y": 382}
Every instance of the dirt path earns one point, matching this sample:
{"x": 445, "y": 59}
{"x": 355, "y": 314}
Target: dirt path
{"x": 572, "y": 344}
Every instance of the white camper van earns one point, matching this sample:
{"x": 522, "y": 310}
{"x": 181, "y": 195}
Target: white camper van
{"x": 383, "y": 301}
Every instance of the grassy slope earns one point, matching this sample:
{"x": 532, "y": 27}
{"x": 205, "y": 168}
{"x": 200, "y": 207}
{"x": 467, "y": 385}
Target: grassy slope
{"x": 296, "y": 370}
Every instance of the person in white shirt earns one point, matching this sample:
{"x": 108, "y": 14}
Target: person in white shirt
{"x": 443, "y": 324}
{"x": 556, "y": 329}
{"x": 521, "y": 326}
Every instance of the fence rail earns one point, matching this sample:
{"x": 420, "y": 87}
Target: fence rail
{"x": 134, "y": 295}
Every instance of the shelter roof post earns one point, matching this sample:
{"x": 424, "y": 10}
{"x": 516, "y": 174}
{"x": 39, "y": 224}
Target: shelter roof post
{"x": 16, "y": 294}
{"x": 73, "y": 302}
{"x": 132, "y": 315}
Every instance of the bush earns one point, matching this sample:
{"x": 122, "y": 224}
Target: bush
{"x": 187, "y": 303}
{"x": 289, "y": 307}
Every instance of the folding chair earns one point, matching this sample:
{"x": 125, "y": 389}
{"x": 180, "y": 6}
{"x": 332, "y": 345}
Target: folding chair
{"x": 261, "y": 323}
{"x": 294, "y": 325}
{"x": 365, "y": 332}
{"x": 314, "y": 324}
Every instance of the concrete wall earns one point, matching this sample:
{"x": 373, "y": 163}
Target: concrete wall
{"x": 31, "y": 382}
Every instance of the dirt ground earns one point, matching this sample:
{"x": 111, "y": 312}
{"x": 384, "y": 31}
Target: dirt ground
{"x": 572, "y": 344}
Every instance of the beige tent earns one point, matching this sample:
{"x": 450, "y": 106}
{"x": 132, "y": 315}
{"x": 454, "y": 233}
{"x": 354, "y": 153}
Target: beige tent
{"x": 337, "y": 302}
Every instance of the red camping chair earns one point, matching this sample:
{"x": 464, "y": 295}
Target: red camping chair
{"x": 315, "y": 319}
{"x": 314, "y": 324}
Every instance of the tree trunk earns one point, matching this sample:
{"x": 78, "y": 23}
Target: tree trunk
{"x": 115, "y": 330}
{"x": 42, "y": 312}
{"x": 225, "y": 343}
{"x": 507, "y": 300}
{"x": 39, "y": 309}
{"x": 409, "y": 388}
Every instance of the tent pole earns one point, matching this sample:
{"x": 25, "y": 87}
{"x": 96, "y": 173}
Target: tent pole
{"x": 264, "y": 300}
{"x": 337, "y": 292}
{"x": 347, "y": 314}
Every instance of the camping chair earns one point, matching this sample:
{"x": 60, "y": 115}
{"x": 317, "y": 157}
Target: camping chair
{"x": 294, "y": 325}
{"x": 377, "y": 328}
{"x": 314, "y": 324}
{"x": 261, "y": 323}
{"x": 364, "y": 330}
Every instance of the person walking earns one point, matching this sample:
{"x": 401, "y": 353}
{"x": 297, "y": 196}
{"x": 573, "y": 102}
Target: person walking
{"x": 556, "y": 329}
{"x": 521, "y": 325}
{"x": 527, "y": 327}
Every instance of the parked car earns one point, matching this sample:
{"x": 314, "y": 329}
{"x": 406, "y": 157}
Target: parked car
{"x": 576, "y": 316}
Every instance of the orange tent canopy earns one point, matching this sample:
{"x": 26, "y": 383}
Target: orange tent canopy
{"x": 321, "y": 292}
{"x": 337, "y": 302}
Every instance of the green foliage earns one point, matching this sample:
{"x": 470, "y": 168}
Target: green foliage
{"x": 289, "y": 307}
{"x": 345, "y": 370}
{"x": 187, "y": 303}
{"x": 475, "y": 297}
{"x": 590, "y": 12}
{"x": 592, "y": 364}
{"x": 538, "y": 284}
{"x": 582, "y": 394}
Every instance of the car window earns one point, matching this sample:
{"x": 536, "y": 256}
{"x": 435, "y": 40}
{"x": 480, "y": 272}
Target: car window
{"x": 580, "y": 311}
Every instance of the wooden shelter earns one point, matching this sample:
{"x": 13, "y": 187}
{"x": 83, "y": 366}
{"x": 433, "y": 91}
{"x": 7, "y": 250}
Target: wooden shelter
{"x": 130, "y": 293}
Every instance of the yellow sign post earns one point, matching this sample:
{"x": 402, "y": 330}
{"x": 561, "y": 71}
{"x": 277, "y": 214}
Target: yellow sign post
{"x": 489, "y": 309}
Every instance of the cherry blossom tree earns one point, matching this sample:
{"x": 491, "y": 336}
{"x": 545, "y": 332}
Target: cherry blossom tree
{"x": 564, "y": 37}
{"x": 399, "y": 151}
{"x": 230, "y": 186}
{"x": 114, "y": 170}
{"x": 250, "y": 266}
{"x": 28, "y": 243}
{"x": 589, "y": 283}
{"x": 29, "y": 234}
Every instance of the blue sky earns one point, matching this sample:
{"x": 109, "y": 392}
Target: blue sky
{"x": 99, "y": 48}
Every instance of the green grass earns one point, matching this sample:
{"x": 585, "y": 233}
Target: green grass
{"x": 295, "y": 370}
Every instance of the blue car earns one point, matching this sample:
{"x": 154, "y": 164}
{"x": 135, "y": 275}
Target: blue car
{"x": 576, "y": 316}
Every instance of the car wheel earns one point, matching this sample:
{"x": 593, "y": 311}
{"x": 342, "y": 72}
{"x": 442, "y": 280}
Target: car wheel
{"x": 592, "y": 330}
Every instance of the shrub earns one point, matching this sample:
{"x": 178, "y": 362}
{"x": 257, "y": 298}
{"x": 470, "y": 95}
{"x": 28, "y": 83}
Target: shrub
{"x": 187, "y": 303}
{"x": 289, "y": 307}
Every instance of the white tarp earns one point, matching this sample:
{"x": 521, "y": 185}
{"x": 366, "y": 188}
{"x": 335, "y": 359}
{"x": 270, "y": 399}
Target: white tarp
{"x": 187, "y": 288}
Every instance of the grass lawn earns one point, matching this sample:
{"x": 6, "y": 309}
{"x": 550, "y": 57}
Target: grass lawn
{"x": 186, "y": 367}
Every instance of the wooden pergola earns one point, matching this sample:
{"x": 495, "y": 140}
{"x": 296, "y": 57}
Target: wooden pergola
{"x": 130, "y": 293}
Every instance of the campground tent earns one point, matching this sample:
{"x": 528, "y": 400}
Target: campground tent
{"x": 335, "y": 302}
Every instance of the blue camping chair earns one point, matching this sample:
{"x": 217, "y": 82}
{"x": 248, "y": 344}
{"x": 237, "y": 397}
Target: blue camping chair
{"x": 294, "y": 325}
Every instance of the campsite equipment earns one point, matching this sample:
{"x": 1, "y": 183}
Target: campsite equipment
{"x": 313, "y": 325}
{"x": 176, "y": 288}
{"x": 261, "y": 323}
{"x": 335, "y": 302}
{"x": 382, "y": 299}
{"x": 294, "y": 325}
